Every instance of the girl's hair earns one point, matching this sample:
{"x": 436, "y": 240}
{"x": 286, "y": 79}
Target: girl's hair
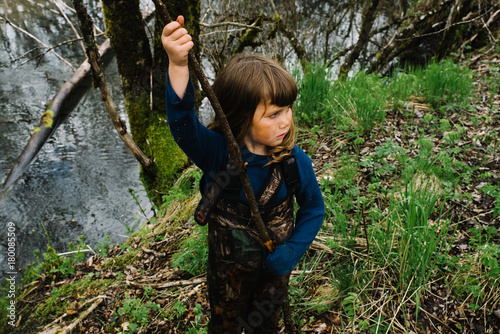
{"x": 246, "y": 81}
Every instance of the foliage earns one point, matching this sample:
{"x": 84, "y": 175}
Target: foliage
{"x": 193, "y": 252}
{"x": 313, "y": 86}
{"x": 53, "y": 265}
{"x": 137, "y": 312}
{"x": 446, "y": 83}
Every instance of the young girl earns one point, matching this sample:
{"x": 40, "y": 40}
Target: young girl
{"x": 256, "y": 95}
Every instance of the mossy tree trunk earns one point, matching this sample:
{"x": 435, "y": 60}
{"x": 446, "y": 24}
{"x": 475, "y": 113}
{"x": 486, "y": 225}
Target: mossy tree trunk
{"x": 142, "y": 77}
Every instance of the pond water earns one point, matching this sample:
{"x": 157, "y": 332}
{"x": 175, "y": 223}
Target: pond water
{"x": 78, "y": 184}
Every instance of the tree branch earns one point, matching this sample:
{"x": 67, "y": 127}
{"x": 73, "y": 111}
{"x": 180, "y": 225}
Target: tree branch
{"x": 86, "y": 26}
{"x": 38, "y": 41}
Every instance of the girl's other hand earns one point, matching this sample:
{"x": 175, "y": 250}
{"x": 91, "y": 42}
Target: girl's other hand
{"x": 177, "y": 42}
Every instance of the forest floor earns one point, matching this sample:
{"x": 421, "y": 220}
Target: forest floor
{"x": 135, "y": 288}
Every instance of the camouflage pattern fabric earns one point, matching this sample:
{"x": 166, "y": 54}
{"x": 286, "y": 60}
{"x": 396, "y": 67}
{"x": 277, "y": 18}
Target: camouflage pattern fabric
{"x": 243, "y": 293}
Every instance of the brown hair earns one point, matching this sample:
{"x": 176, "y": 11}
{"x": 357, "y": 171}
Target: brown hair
{"x": 246, "y": 81}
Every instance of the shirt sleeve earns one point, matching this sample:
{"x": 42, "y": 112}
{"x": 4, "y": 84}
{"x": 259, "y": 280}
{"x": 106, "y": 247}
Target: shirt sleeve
{"x": 308, "y": 221}
{"x": 206, "y": 148}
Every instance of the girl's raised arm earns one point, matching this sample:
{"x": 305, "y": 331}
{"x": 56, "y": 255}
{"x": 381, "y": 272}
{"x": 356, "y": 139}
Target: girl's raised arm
{"x": 177, "y": 42}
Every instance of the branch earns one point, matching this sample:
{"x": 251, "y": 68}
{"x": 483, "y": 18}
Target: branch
{"x": 236, "y": 24}
{"x": 83, "y": 315}
{"x": 38, "y": 41}
{"x": 86, "y": 26}
{"x": 57, "y": 3}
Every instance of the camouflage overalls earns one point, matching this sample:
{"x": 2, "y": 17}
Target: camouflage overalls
{"x": 243, "y": 293}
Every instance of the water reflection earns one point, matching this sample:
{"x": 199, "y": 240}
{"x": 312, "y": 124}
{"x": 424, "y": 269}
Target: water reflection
{"x": 78, "y": 184}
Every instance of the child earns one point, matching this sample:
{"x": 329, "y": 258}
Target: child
{"x": 256, "y": 95}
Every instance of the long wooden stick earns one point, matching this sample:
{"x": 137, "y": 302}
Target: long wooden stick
{"x": 234, "y": 151}
{"x": 233, "y": 147}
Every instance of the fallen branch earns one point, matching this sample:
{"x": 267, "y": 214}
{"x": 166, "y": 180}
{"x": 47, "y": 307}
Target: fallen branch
{"x": 169, "y": 284}
{"x": 39, "y": 137}
{"x": 83, "y": 315}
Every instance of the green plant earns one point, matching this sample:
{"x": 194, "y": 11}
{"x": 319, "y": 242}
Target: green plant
{"x": 351, "y": 305}
{"x": 313, "y": 85}
{"x": 193, "y": 252}
{"x": 358, "y": 103}
{"x": 54, "y": 265}
{"x": 402, "y": 86}
{"x": 103, "y": 246}
{"x": 493, "y": 191}
{"x": 406, "y": 243}
{"x": 446, "y": 83}
{"x": 137, "y": 312}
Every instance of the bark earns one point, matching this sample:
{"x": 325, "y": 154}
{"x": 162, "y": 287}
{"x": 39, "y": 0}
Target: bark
{"x": 145, "y": 108}
{"x": 364, "y": 37}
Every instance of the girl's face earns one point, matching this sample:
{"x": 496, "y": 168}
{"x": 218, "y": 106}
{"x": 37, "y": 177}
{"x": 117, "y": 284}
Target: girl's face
{"x": 269, "y": 126}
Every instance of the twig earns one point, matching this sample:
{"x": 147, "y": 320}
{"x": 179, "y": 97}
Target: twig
{"x": 182, "y": 283}
{"x": 83, "y": 315}
{"x": 236, "y": 24}
{"x": 74, "y": 11}
{"x": 169, "y": 284}
{"x": 234, "y": 151}
{"x": 54, "y": 322}
{"x": 90, "y": 248}
{"x": 73, "y": 252}
{"x": 57, "y": 3}
{"x": 38, "y": 41}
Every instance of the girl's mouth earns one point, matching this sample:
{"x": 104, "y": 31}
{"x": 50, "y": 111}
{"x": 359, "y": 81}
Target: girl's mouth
{"x": 281, "y": 136}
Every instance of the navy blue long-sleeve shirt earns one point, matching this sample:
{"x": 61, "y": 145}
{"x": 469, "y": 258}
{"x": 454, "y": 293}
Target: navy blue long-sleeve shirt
{"x": 208, "y": 150}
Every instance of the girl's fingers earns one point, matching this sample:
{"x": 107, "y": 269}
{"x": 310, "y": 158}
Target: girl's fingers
{"x": 178, "y": 33}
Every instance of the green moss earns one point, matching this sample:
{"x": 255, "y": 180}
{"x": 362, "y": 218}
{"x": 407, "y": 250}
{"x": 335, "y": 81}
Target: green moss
{"x": 168, "y": 156}
{"x": 120, "y": 262}
{"x": 248, "y": 38}
{"x": 61, "y": 298}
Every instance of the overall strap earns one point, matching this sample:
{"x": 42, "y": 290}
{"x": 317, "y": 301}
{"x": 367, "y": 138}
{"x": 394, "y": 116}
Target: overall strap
{"x": 226, "y": 184}
{"x": 291, "y": 173}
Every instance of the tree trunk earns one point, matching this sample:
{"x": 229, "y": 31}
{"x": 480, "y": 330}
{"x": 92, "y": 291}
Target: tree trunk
{"x": 364, "y": 37}
{"x": 139, "y": 72}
